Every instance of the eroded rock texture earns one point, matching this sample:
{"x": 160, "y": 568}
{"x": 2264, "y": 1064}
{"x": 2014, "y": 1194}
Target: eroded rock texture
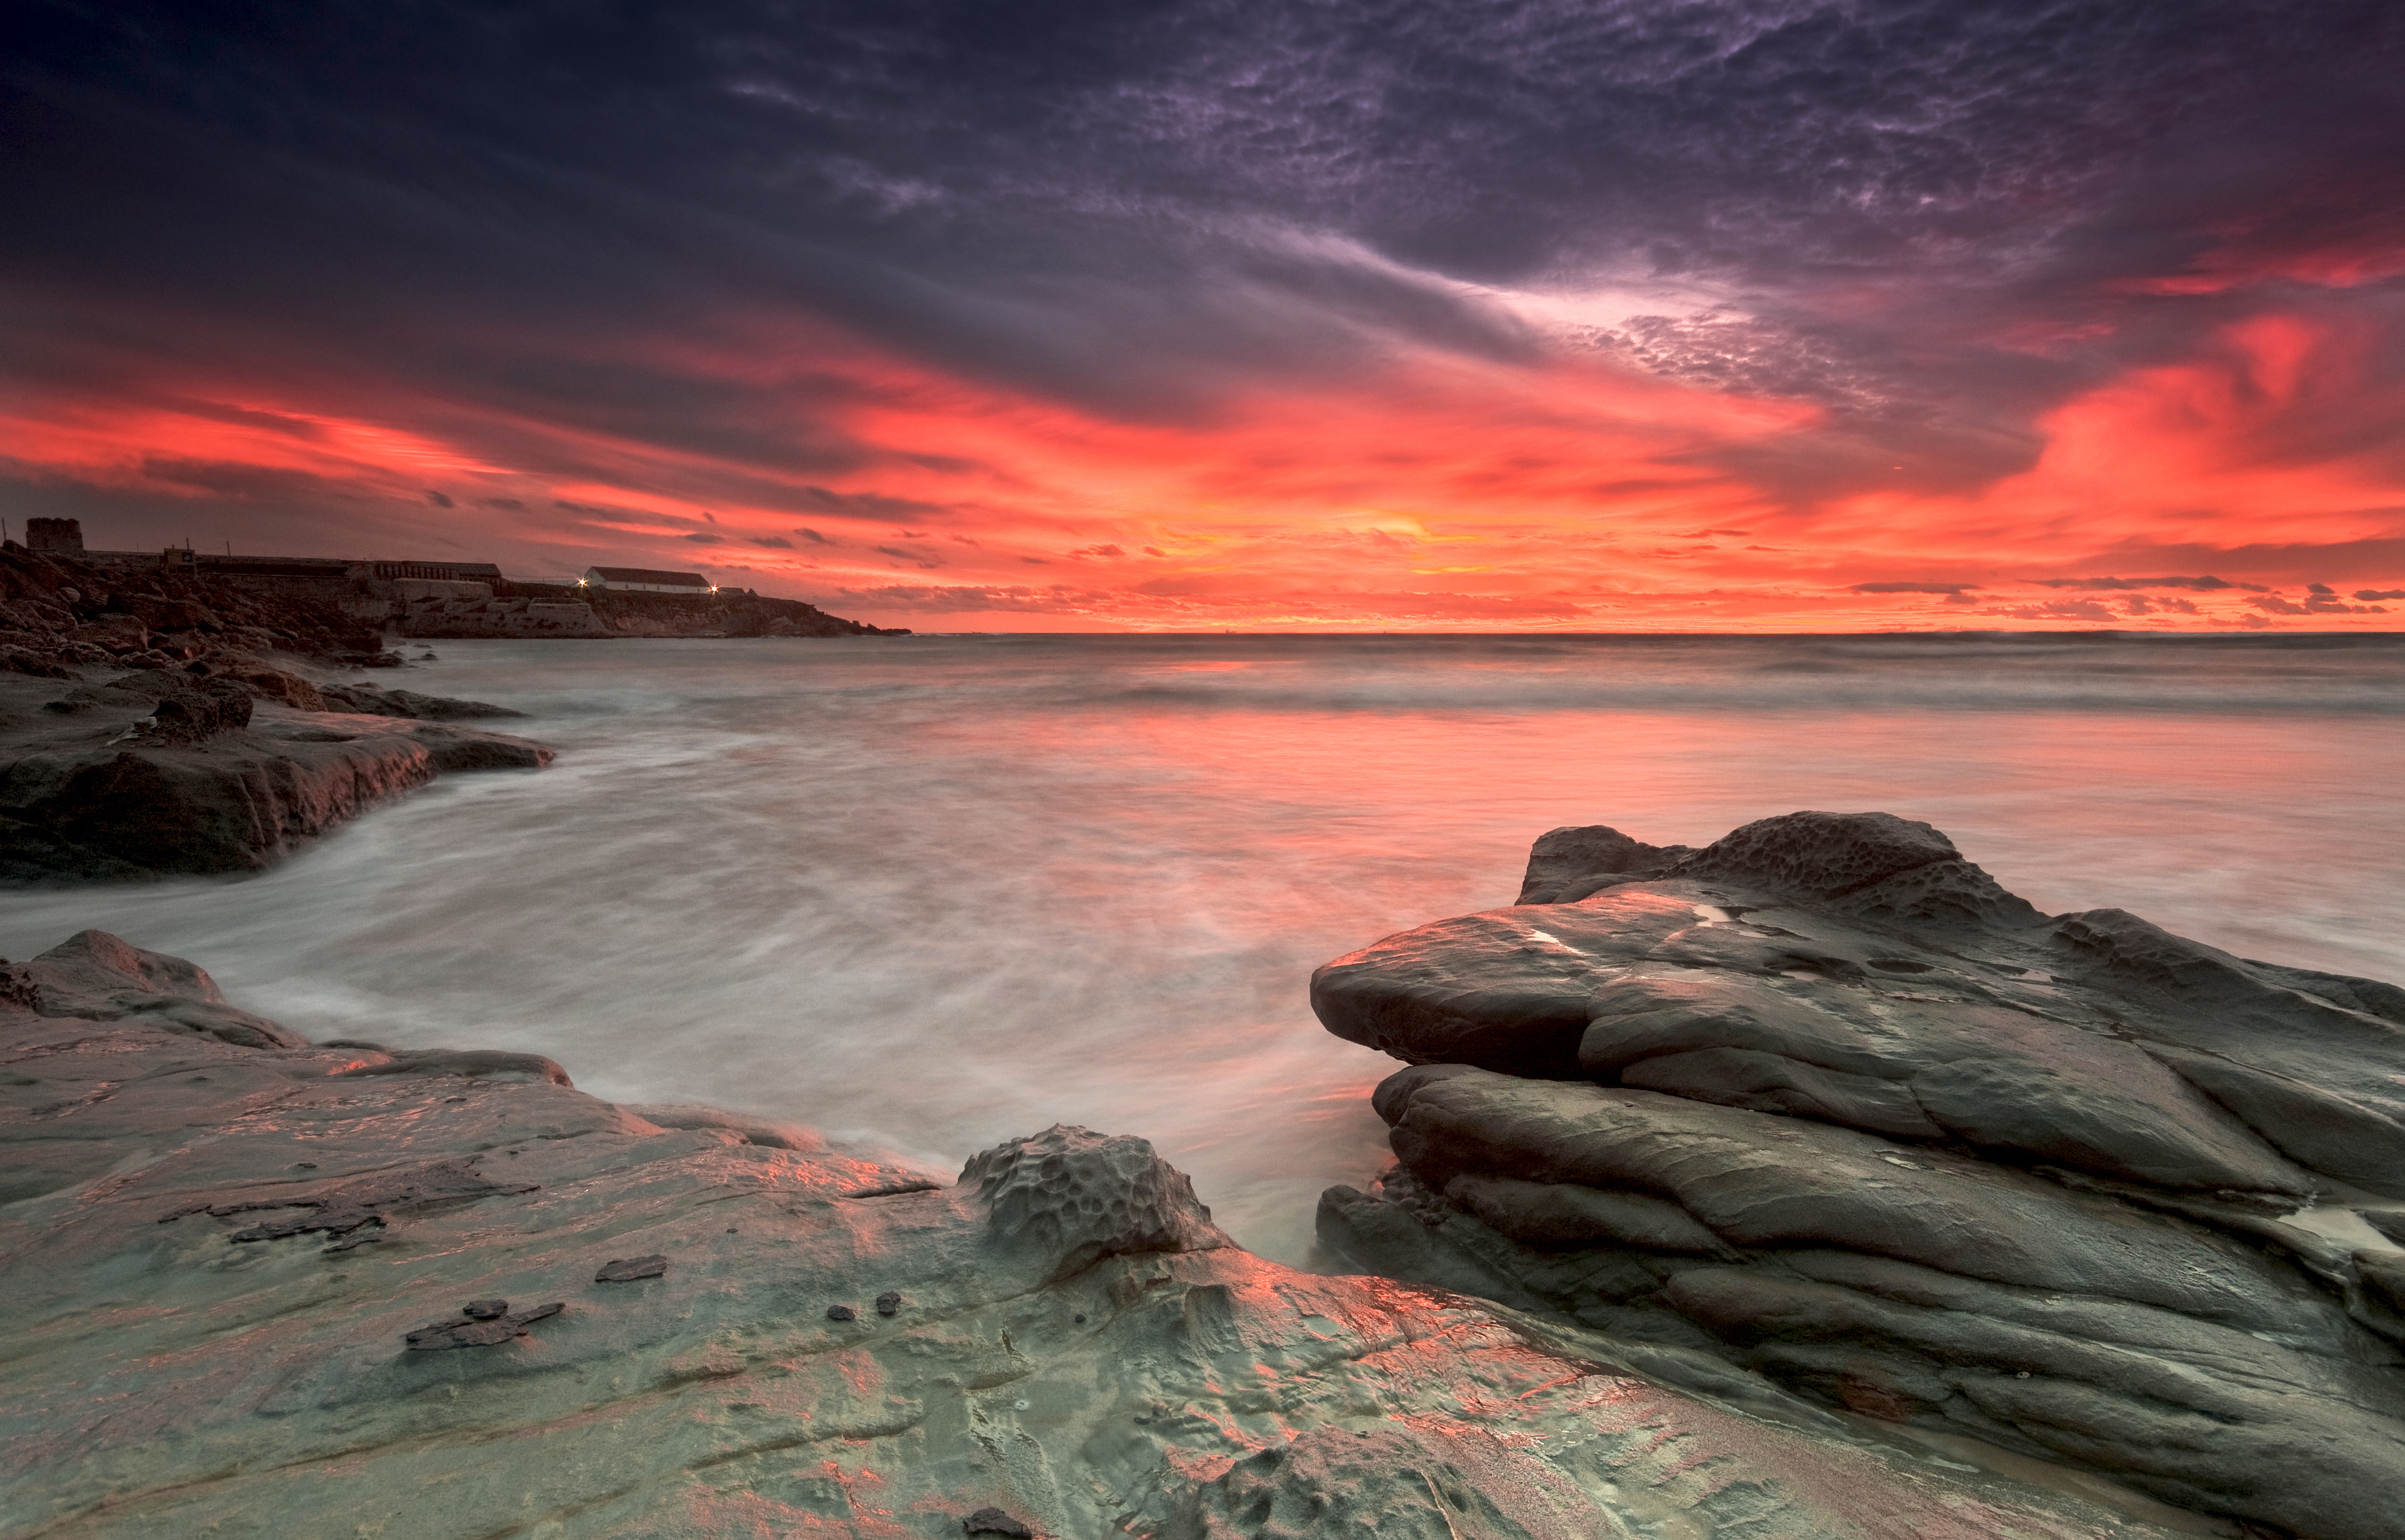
{"x": 574, "y": 1324}
{"x": 1825, "y": 1101}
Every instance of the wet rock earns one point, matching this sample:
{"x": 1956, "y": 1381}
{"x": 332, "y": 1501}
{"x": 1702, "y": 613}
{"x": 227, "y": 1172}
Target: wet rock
{"x": 288, "y": 689}
{"x": 35, "y": 665}
{"x": 1840, "y": 1112}
{"x": 98, "y": 977}
{"x": 1569, "y": 864}
{"x": 2384, "y": 1277}
{"x": 166, "y": 771}
{"x": 627, "y": 1269}
{"x": 211, "y": 710}
{"x": 371, "y": 702}
{"x": 767, "y": 1133}
{"x": 473, "y": 1331}
{"x": 1388, "y": 1482}
{"x": 474, "y": 1064}
{"x": 1075, "y": 1196}
{"x": 18, "y": 990}
{"x": 341, "y": 1209}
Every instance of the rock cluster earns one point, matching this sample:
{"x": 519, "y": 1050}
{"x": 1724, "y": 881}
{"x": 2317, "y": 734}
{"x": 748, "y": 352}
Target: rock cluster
{"x": 1061, "y": 1344}
{"x": 213, "y": 767}
{"x": 1823, "y": 1100}
{"x": 60, "y": 612}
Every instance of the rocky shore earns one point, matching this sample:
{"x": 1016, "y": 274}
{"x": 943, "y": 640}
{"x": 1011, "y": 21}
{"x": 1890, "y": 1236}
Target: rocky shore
{"x": 145, "y": 734}
{"x": 265, "y": 1287}
{"x": 1823, "y": 1103}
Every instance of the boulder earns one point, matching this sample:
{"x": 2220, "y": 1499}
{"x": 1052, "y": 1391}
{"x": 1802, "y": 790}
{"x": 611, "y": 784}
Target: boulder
{"x": 195, "y": 715}
{"x": 1823, "y": 1101}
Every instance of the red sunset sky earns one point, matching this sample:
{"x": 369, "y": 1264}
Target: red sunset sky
{"x": 1574, "y": 317}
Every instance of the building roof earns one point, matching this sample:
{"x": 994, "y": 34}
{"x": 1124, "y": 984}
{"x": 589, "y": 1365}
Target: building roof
{"x": 644, "y": 574}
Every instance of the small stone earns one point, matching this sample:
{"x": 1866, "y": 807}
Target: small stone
{"x": 627, "y": 1269}
{"x": 1081, "y": 1318}
{"x": 888, "y": 1303}
{"x": 995, "y": 1521}
{"x": 842, "y": 1312}
{"x": 459, "y": 1333}
{"x": 484, "y": 1310}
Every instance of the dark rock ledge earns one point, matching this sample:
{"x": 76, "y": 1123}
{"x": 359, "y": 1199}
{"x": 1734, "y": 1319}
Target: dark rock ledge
{"x": 263, "y": 1287}
{"x": 1824, "y": 1102}
{"x": 110, "y": 775}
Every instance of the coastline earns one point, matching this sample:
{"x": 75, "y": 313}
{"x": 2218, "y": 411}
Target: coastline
{"x": 1537, "y": 1318}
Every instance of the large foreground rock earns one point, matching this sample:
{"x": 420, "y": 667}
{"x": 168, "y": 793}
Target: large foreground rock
{"x": 157, "y": 772}
{"x": 262, "y": 1288}
{"x": 1822, "y": 1100}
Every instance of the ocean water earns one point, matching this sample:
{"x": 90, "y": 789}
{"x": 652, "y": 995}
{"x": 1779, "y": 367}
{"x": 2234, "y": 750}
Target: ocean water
{"x": 926, "y": 894}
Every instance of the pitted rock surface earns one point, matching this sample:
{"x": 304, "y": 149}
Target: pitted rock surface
{"x": 1820, "y": 854}
{"x": 1825, "y": 1102}
{"x": 1077, "y": 1196}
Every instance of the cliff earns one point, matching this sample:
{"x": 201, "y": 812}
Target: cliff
{"x": 260, "y": 1286}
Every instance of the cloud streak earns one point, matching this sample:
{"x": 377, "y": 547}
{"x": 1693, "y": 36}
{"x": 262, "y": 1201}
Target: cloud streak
{"x": 1725, "y": 313}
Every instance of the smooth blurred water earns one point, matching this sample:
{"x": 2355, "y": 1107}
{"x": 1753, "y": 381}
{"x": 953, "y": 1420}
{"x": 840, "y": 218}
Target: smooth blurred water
{"x": 929, "y": 892}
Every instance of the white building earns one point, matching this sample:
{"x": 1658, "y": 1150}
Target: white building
{"x": 643, "y": 580}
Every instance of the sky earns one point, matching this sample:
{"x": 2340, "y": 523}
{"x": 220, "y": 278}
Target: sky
{"x": 1193, "y": 315}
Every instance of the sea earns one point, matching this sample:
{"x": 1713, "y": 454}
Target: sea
{"x": 928, "y": 893}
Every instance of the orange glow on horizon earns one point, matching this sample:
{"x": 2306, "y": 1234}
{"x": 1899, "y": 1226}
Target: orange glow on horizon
{"x": 1437, "y": 493}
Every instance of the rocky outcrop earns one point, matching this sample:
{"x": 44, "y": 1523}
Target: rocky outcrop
{"x": 61, "y": 611}
{"x": 254, "y": 1290}
{"x": 161, "y": 772}
{"x": 373, "y": 700}
{"x": 525, "y": 610}
{"x": 727, "y": 612}
{"x": 1823, "y": 1100}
